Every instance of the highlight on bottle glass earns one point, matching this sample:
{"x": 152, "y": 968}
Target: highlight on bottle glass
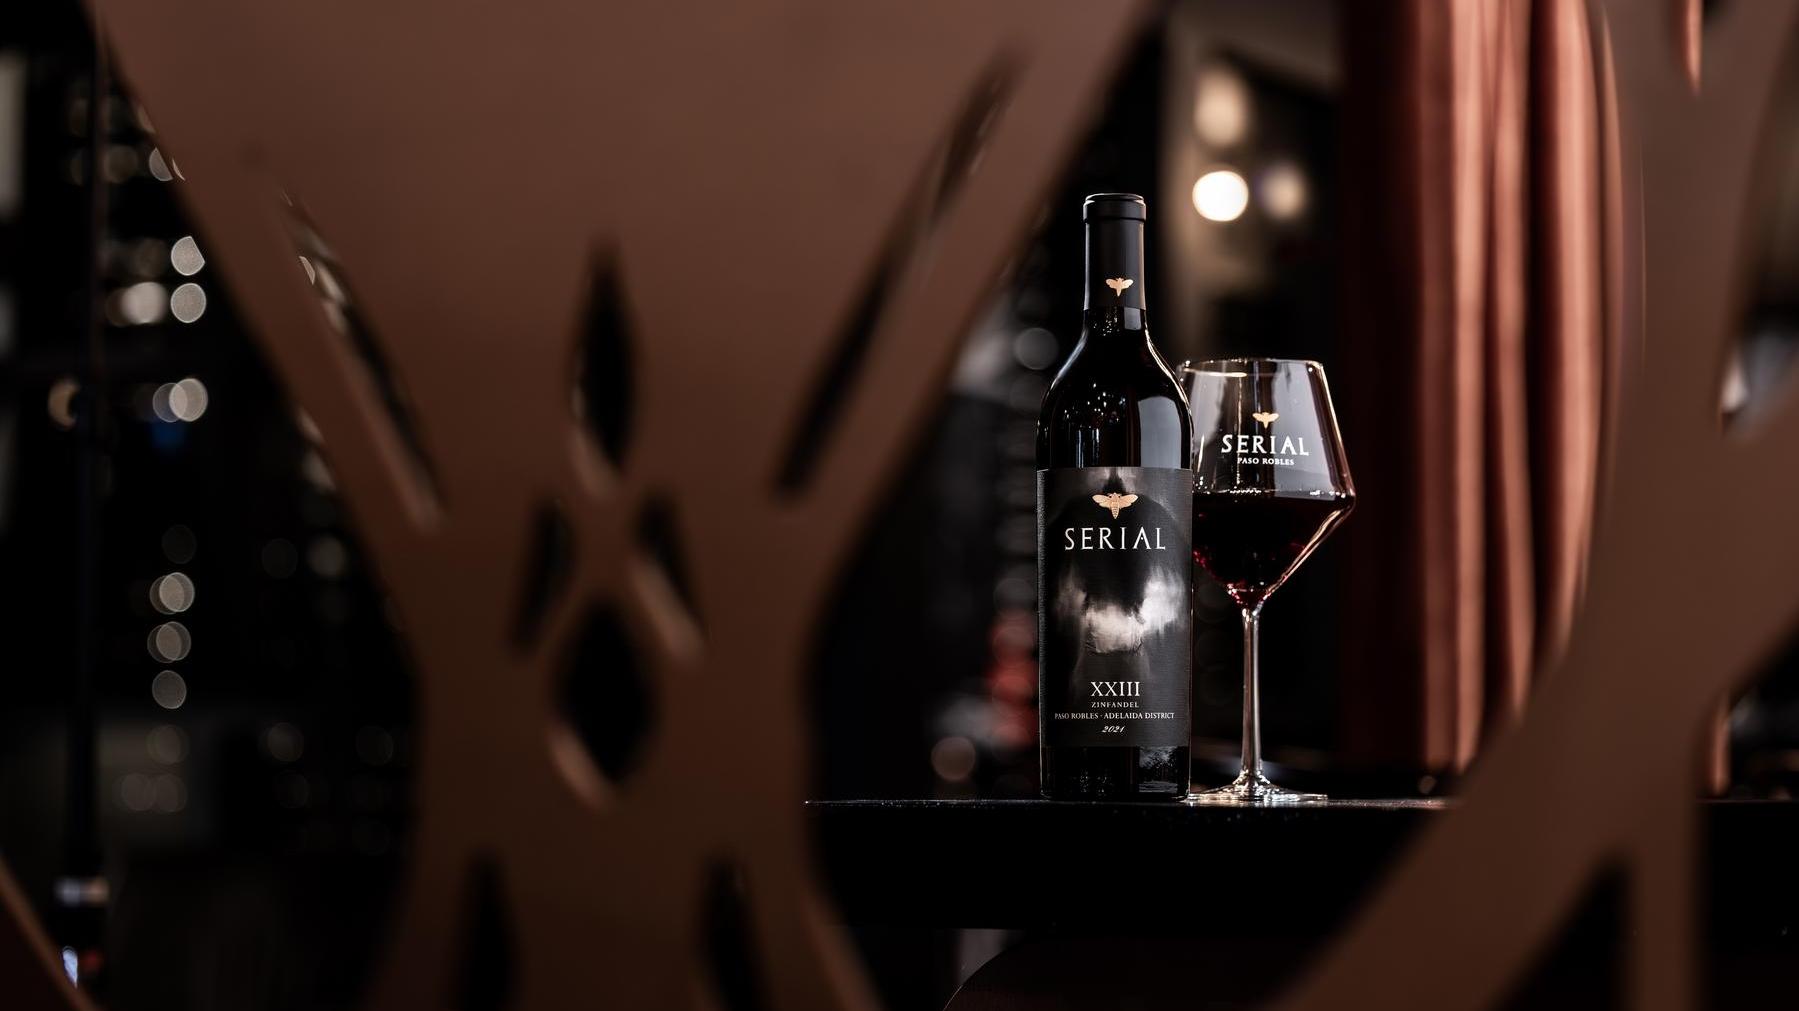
{"x": 1270, "y": 483}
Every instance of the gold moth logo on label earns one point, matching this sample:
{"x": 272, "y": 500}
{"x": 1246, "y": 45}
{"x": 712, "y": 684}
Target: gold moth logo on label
{"x": 1265, "y": 417}
{"x": 1118, "y": 284}
{"x": 1115, "y": 502}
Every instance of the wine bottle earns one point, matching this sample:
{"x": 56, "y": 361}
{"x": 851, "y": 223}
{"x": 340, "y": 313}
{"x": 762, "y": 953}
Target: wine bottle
{"x": 1114, "y": 531}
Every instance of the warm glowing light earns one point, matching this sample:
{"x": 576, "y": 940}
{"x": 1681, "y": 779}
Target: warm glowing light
{"x": 142, "y": 303}
{"x": 188, "y": 399}
{"x": 1735, "y": 395}
{"x": 953, "y": 759}
{"x": 170, "y": 642}
{"x": 166, "y": 744}
{"x": 185, "y": 256}
{"x": 137, "y": 791}
{"x": 284, "y": 742}
{"x": 1035, "y": 348}
{"x": 168, "y": 793}
{"x": 325, "y": 280}
{"x": 317, "y": 472}
{"x": 172, "y": 594}
{"x": 169, "y": 690}
{"x": 1284, "y": 191}
{"x": 188, "y": 302}
{"x": 327, "y": 557}
{"x": 159, "y": 166}
{"x": 159, "y": 403}
{"x": 146, "y": 257}
{"x": 1221, "y": 195}
{"x": 119, "y": 164}
{"x": 61, "y": 401}
{"x": 1220, "y": 106}
{"x": 309, "y": 429}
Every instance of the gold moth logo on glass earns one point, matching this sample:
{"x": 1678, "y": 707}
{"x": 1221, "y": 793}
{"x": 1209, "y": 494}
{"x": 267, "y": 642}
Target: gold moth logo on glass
{"x": 1118, "y": 284}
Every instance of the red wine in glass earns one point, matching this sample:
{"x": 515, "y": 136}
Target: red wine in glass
{"x": 1251, "y": 541}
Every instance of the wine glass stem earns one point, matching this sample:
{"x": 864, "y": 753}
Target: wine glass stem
{"x": 1252, "y": 693}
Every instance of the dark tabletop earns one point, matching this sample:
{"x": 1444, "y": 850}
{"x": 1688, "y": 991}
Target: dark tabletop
{"x": 1175, "y": 868}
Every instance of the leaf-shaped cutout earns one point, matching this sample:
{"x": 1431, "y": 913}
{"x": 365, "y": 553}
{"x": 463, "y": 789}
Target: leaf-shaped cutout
{"x": 485, "y": 965}
{"x": 603, "y": 392}
{"x": 967, "y": 141}
{"x": 548, "y": 561}
{"x": 729, "y": 942}
{"x": 331, "y": 283}
{"x": 1761, "y": 350}
{"x": 606, "y": 696}
{"x": 659, "y": 535}
{"x": 949, "y": 169}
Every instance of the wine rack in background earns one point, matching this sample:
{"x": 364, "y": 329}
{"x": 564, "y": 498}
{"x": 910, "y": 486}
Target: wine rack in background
{"x": 205, "y": 665}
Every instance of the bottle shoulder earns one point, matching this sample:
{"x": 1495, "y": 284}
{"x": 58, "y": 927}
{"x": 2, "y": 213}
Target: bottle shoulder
{"x": 1115, "y": 407}
{"x": 1140, "y": 374}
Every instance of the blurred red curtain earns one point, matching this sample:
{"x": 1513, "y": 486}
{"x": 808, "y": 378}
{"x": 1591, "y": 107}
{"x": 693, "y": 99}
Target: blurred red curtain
{"x": 1481, "y": 323}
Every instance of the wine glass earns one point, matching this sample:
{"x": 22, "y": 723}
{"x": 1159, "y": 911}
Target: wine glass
{"x": 1270, "y": 482}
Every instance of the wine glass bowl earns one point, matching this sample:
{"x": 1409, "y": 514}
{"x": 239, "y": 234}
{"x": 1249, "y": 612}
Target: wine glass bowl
{"x": 1251, "y": 542}
{"x": 1270, "y": 483}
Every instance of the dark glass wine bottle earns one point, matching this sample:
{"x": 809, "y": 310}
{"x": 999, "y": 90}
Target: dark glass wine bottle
{"x": 1114, "y": 531}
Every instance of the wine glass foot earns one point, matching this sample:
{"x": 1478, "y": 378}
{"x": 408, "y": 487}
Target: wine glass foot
{"x": 1253, "y": 790}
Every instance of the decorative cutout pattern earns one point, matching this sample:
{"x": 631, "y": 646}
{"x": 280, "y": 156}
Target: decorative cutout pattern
{"x": 332, "y": 284}
{"x": 949, "y": 171}
{"x": 605, "y": 698}
{"x": 467, "y": 218}
{"x": 660, "y": 539}
{"x": 1759, "y": 360}
{"x": 548, "y": 562}
{"x": 477, "y": 273}
{"x": 603, "y": 395}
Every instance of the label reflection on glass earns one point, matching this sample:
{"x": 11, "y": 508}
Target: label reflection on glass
{"x": 1115, "y": 576}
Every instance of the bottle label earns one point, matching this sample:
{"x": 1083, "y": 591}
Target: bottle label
{"x": 1115, "y": 606}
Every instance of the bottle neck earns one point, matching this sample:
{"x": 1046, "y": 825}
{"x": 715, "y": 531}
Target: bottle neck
{"x": 1116, "y": 320}
{"x": 1115, "y": 270}
{"x": 1115, "y": 331}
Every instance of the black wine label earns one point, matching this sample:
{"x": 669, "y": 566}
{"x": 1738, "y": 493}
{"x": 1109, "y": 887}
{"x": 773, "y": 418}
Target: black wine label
{"x": 1115, "y": 606}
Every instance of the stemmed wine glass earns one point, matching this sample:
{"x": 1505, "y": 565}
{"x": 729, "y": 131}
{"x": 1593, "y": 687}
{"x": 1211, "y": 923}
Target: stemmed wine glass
{"x": 1270, "y": 482}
